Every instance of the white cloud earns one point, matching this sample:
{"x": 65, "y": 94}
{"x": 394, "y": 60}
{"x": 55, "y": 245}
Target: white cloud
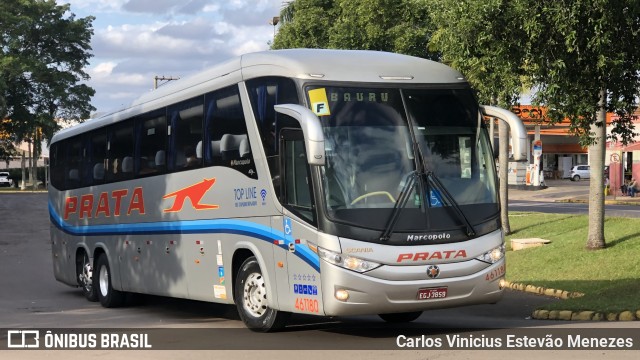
{"x": 135, "y": 40}
{"x": 95, "y": 6}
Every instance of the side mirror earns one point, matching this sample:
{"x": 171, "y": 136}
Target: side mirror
{"x": 311, "y": 129}
{"x": 518, "y": 131}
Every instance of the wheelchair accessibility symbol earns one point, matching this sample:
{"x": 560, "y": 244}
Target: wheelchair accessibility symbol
{"x": 435, "y": 199}
{"x": 287, "y": 226}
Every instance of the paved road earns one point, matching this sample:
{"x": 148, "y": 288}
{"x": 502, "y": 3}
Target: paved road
{"x": 31, "y": 298}
{"x": 572, "y": 208}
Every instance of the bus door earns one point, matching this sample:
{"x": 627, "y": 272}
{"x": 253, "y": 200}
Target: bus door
{"x": 299, "y": 225}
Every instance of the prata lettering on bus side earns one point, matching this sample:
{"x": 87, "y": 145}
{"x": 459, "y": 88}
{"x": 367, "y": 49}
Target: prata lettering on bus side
{"x": 108, "y": 204}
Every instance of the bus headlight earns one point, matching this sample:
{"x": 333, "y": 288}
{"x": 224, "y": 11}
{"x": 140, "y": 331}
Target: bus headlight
{"x": 346, "y": 261}
{"x": 492, "y": 256}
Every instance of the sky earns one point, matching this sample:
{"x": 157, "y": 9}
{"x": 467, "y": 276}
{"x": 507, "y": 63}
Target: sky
{"x": 137, "y": 40}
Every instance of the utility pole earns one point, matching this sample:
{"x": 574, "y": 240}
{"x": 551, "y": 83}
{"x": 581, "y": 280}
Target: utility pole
{"x": 162, "y": 78}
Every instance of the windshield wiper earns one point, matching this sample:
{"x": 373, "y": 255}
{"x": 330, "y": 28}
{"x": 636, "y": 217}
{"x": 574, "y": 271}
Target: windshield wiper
{"x": 449, "y": 198}
{"x": 405, "y": 193}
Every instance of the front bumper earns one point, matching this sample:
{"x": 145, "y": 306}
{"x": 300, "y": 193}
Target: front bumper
{"x": 369, "y": 295}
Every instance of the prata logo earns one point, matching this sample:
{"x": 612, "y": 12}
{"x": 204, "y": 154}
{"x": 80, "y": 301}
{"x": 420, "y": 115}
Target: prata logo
{"x": 23, "y": 339}
{"x": 194, "y": 193}
{"x": 433, "y": 271}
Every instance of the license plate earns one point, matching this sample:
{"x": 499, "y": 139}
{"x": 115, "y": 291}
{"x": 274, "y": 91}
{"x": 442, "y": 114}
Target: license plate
{"x": 432, "y": 293}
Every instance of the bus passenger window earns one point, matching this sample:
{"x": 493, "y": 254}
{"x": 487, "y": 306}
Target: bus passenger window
{"x": 75, "y": 156}
{"x": 186, "y": 132}
{"x": 297, "y": 195}
{"x": 265, "y": 92}
{"x": 120, "y": 146}
{"x": 226, "y": 140}
{"x": 56, "y": 163}
{"x": 151, "y": 137}
{"x": 95, "y": 158}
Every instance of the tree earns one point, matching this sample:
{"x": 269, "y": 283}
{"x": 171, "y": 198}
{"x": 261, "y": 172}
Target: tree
{"x": 585, "y": 60}
{"x": 384, "y": 25}
{"x": 479, "y": 39}
{"x": 305, "y": 24}
{"x": 44, "y": 52}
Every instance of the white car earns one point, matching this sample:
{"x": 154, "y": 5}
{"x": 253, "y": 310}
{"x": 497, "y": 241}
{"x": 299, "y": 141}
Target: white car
{"x": 580, "y": 172}
{"x": 5, "y": 180}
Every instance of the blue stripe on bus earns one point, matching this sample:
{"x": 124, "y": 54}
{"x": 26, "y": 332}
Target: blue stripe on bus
{"x": 213, "y": 226}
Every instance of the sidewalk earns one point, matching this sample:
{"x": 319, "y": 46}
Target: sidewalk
{"x": 566, "y": 190}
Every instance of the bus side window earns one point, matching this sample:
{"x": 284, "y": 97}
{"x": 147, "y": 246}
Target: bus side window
{"x": 186, "y": 132}
{"x": 56, "y": 164}
{"x": 296, "y": 194}
{"x": 151, "y": 134}
{"x": 120, "y": 146}
{"x": 75, "y": 155}
{"x": 265, "y": 92}
{"x": 95, "y": 158}
{"x": 225, "y": 140}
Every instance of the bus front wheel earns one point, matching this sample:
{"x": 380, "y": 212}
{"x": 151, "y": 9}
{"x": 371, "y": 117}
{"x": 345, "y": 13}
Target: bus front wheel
{"x": 104, "y": 287}
{"x": 400, "y": 317}
{"x": 251, "y": 299}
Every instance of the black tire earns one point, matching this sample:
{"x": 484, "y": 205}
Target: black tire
{"x": 576, "y": 178}
{"x": 400, "y": 317}
{"x": 85, "y": 278}
{"x": 108, "y": 297}
{"x": 250, "y": 295}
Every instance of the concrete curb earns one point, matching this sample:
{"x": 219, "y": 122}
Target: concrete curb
{"x": 569, "y": 315}
{"x": 539, "y": 290}
{"x": 607, "y": 202}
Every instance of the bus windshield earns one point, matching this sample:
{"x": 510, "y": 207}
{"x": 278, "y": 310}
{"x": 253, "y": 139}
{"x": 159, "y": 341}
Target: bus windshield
{"x": 377, "y": 138}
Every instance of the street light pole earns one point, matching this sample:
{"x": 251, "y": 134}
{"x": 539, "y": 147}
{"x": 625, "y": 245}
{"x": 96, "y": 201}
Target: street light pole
{"x": 274, "y": 21}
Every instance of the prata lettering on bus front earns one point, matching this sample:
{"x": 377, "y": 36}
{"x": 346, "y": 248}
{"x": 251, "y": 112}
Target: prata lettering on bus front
{"x": 434, "y": 255}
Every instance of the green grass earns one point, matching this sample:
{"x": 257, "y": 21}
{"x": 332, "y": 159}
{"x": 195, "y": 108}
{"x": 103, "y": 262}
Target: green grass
{"x": 609, "y": 278}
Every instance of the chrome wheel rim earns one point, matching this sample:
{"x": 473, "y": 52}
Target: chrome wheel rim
{"x": 254, "y": 299}
{"x": 87, "y": 274}
{"x": 104, "y": 281}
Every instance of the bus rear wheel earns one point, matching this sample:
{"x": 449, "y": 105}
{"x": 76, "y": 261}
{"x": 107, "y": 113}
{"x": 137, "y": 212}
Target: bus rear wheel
{"x": 108, "y": 297}
{"x": 400, "y": 317}
{"x": 85, "y": 278}
{"x": 251, "y": 299}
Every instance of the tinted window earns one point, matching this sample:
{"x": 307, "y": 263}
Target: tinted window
{"x": 152, "y": 136}
{"x": 95, "y": 161}
{"x": 297, "y": 180}
{"x": 73, "y": 169}
{"x": 56, "y": 163}
{"x": 120, "y": 162}
{"x": 186, "y": 135}
{"x": 226, "y": 139}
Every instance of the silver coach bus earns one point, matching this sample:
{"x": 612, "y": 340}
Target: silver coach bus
{"x": 323, "y": 182}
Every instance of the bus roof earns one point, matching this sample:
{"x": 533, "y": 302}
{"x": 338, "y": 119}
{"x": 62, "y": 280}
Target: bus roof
{"x": 364, "y": 66}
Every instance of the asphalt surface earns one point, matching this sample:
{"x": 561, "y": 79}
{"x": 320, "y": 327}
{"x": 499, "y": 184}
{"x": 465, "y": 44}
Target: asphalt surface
{"x": 566, "y": 190}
